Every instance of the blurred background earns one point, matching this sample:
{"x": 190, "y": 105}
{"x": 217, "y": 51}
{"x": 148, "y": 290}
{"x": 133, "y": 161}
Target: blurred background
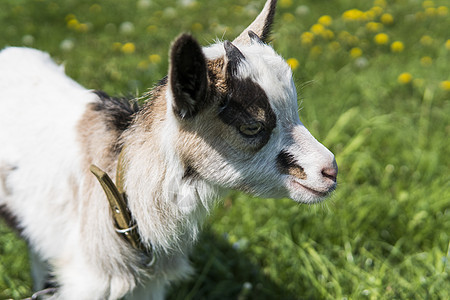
{"x": 373, "y": 79}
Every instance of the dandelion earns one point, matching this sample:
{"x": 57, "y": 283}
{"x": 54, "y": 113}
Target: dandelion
{"x": 445, "y": 85}
{"x": 28, "y": 40}
{"x": 142, "y": 65}
{"x": 66, "y": 45}
{"x": 426, "y": 40}
{"x": 318, "y": 29}
{"x": 334, "y": 46}
{"x": 117, "y": 46}
{"x": 325, "y": 20}
{"x": 430, "y": 11}
{"x": 369, "y": 15}
{"x": 128, "y": 48}
{"x": 154, "y": 58}
{"x": 70, "y": 17}
{"x": 288, "y": 17}
{"x": 293, "y": 63}
{"x": 285, "y": 3}
{"x": 447, "y": 45}
{"x": 426, "y": 61}
{"x": 353, "y": 15}
{"x": 377, "y": 10}
{"x": 381, "y": 3}
{"x": 374, "y": 26}
{"x": 442, "y": 11}
{"x": 307, "y": 38}
{"x": 95, "y": 8}
{"x": 152, "y": 28}
{"x": 73, "y": 23}
{"x": 197, "y": 27}
{"x": 427, "y": 4}
{"x": 355, "y": 52}
{"x": 126, "y": 27}
{"x": 405, "y": 78}
{"x": 82, "y": 27}
{"x": 316, "y": 50}
{"x": 397, "y": 47}
{"x": 387, "y": 19}
{"x": 381, "y": 39}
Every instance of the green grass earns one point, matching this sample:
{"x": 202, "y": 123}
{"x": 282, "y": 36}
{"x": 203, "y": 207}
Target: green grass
{"x": 384, "y": 234}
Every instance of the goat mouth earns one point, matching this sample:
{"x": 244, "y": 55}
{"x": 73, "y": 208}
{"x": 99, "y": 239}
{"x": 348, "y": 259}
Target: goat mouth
{"x": 321, "y": 194}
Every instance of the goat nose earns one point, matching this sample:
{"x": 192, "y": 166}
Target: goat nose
{"x": 330, "y": 172}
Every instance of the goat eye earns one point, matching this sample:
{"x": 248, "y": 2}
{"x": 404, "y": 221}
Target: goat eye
{"x": 251, "y": 129}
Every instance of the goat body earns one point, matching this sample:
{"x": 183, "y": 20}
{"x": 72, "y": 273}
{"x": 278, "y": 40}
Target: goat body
{"x": 224, "y": 118}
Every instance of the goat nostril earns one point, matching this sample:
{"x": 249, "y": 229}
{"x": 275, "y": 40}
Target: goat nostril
{"x": 330, "y": 173}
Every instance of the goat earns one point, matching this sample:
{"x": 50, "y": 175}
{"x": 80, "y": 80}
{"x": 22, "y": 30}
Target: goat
{"x": 225, "y": 117}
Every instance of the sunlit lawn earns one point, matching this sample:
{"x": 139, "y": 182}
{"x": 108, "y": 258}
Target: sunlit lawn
{"x": 374, "y": 85}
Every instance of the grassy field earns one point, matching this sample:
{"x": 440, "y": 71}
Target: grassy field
{"x": 374, "y": 85}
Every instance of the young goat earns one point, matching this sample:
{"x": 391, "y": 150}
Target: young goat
{"x": 224, "y": 118}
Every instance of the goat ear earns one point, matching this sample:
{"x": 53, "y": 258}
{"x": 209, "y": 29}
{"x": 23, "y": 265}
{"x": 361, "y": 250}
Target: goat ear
{"x": 233, "y": 58}
{"x": 187, "y": 76}
{"x": 261, "y": 26}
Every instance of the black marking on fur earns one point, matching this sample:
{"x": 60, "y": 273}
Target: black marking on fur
{"x": 190, "y": 173}
{"x": 234, "y": 57}
{"x": 188, "y": 76}
{"x": 269, "y": 22}
{"x": 254, "y": 37}
{"x": 246, "y": 103}
{"x": 119, "y": 112}
{"x": 287, "y": 164}
{"x": 285, "y": 160}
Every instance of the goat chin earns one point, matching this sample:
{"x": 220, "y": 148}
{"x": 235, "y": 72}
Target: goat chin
{"x": 224, "y": 117}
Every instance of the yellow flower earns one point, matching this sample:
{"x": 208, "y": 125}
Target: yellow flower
{"x": 387, "y": 19}
{"x": 353, "y": 15}
{"x": 316, "y": 50}
{"x": 426, "y": 61}
{"x": 293, "y": 63}
{"x": 142, "y": 65}
{"x": 427, "y": 3}
{"x": 381, "y": 39}
{"x": 70, "y": 17}
{"x": 445, "y": 85}
{"x": 380, "y": 3}
{"x": 328, "y": 34}
{"x": 116, "y": 46}
{"x": 405, "y": 78}
{"x": 397, "y": 47}
{"x": 426, "y": 40}
{"x": 430, "y": 11}
{"x": 307, "y": 38}
{"x": 334, "y": 46}
{"x": 285, "y": 3}
{"x": 152, "y": 28}
{"x": 355, "y": 52}
{"x": 196, "y": 27}
{"x": 447, "y": 44}
{"x": 73, "y": 23}
{"x": 374, "y": 26}
{"x": 377, "y": 10}
{"x": 128, "y": 48}
{"x": 317, "y": 29}
{"x": 82, "y": 27}
{"x": 325, "y": 20}
{"x": 288, "y": 17}
{"x": 154, "y": 58}
{"x": 442, "y": 10}
{"x": 95, "y": 8}
{"x": 369, "y": 15}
